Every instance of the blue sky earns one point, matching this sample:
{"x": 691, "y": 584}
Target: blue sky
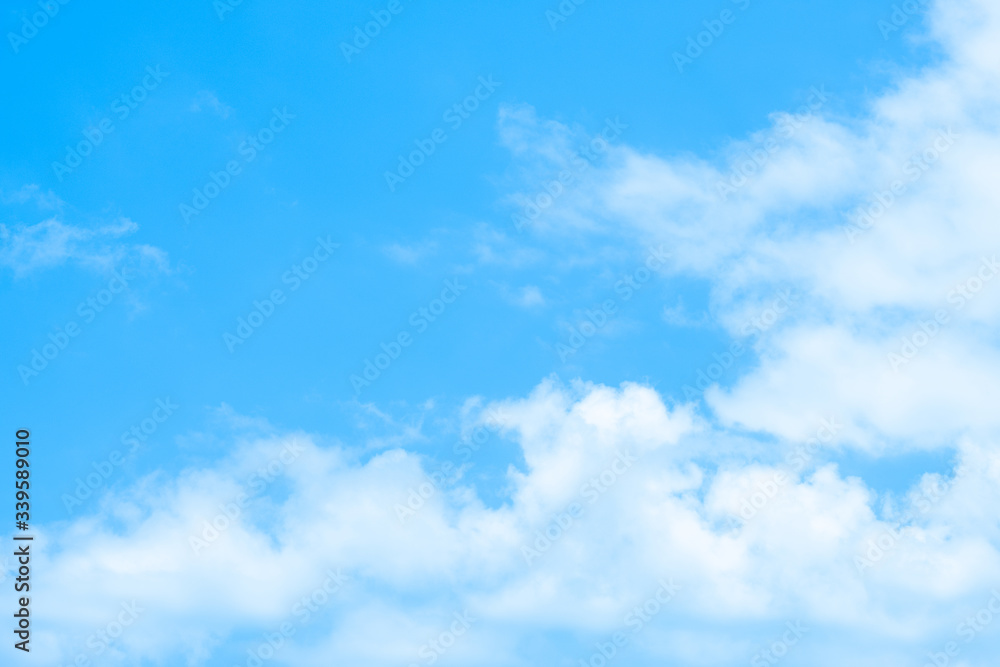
{"x": 214, "y": 278}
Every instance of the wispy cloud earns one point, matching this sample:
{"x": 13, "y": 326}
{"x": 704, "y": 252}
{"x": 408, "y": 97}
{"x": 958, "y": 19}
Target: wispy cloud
{"x": 411, "y": 253}
{"x": 529, "y": 296}
{"x": 206, "y": 100}
{"x": 26, "y": 248}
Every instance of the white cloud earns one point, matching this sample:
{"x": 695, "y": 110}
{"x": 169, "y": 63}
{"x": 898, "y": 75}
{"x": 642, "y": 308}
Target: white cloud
{"x": 29, "y": 247}
{"x": 529, "y": 296}
{"x": 678, "y": 316}
{"x": 206, "y": 99}
{"x": 410, "y": 254}
{"x": 43, "y": 200}
{"x": 792, "y": 223}
{"x": 50, "y": 243}
{"x": 659, "y": 516}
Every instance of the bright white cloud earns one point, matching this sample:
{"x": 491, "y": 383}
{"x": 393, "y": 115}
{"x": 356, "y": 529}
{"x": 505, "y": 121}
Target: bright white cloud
{"x": 881, "y": 223}
{"x": 804, "y": 550}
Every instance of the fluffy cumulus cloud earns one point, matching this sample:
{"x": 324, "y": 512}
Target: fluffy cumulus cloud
{"x": 623, "y": 519}
{"x": 659, "y": 530}
{"x": 885, "y": 222}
